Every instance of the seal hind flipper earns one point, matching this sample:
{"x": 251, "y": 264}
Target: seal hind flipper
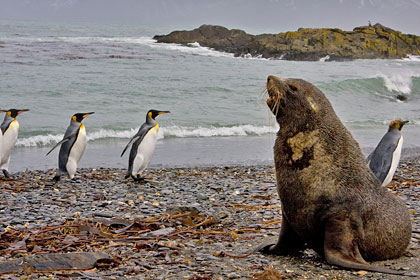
{"x": 341, "y": 248}
{"x": 289, "y": 242}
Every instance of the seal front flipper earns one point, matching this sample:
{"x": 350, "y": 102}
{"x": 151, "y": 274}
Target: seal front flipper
{"x": 289, "y": 242}
{"x": 341, "y": 248}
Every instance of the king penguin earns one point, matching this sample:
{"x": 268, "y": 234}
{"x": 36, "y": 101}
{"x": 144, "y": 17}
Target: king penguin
{"x": 1, "y": 138}
{"x": 383, "y": 161}
{"x": 73, "y": 146}
{"x": 143, "y": 146}
{"x": 10, "y": 131}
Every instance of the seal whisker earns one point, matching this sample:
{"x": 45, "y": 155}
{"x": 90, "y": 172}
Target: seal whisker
{"x": 263, "y": 94}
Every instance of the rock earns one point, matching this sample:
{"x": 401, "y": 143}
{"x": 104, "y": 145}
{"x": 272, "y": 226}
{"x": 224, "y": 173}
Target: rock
{"x": 328, "y": 44}
{"x": 50, "y": 262}
{"x": 164, "y": 231}
{"x": 178, "y": 209}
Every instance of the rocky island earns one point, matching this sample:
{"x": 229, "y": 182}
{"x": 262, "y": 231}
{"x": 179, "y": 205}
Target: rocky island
{"x": 305, "y": 44}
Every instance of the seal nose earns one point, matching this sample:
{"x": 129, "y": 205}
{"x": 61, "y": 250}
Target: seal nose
{"x": 269, "y": 78}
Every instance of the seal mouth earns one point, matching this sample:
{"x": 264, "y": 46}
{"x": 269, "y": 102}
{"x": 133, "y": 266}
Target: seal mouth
{"x": 274, "y": 100}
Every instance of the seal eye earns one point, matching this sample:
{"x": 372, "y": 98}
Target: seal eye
{"x": 292, "y": 87}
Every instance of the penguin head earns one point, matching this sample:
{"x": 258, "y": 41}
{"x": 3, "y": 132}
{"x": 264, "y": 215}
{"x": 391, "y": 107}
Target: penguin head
{"x": 154, "y": 113}
{"x": 13, "y": 113}
{"x": 80, "y": 116}
{"x": 398, "y": 124}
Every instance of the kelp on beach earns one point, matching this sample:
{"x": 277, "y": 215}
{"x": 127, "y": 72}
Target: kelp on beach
{"x": 193, "y": 223}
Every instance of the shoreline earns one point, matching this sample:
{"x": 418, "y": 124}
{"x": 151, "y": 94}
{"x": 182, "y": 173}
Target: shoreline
{"x": 193, "y": 152}
{"x": 171, "y": 152}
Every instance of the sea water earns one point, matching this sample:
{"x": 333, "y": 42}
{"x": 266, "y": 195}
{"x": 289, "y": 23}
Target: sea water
{"x": 217, "y": 102}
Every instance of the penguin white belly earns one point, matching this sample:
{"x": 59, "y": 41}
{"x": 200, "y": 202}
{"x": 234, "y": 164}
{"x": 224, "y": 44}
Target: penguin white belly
{"x": 1, "y": 145}
{"x": 395, "y": 160}
{"x": 76, "y": 152}
{"x": 9, "y": 141}
{"x": 145, "y": 151}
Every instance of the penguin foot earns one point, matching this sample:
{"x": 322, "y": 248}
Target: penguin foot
{"x": 139, "y": 179}
{"x": 6, "y": 173}
{"x": 56, "y": 178}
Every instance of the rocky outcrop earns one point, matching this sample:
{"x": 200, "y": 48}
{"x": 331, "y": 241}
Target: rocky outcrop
{"x": 309, "y": 44}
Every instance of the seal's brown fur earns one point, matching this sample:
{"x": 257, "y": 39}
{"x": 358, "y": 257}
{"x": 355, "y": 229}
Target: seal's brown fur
{"x": 330, "y": 200}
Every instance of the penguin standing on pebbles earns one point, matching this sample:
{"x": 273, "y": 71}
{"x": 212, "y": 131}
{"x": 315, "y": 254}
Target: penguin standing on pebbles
{"x": 73, "y": 146}
{"x": 1, "y": 138}
{"x": 10, "y": 131}
{"x": 143, "y": 146}
{"x": 383, "y": 161}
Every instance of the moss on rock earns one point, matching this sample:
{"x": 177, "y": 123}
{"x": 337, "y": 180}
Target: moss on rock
{"x": 364, "y": 42}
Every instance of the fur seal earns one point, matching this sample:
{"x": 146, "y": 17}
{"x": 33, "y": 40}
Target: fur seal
{"x": 330, "y": 200}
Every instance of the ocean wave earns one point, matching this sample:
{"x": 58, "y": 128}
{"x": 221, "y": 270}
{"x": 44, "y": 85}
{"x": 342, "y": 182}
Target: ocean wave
{"x": 39, "y": 140}
{"x": 325, "y": 58}
{"x": 412, "y": 58}
{"x": 51, "y": 139}
{"x": 193, "y": 48}
{"x": 240, "y": 130}
{"x": 164, "y": 132}
{"x": 109, "y": 133}
{"x": 381, "y": 84}
{"x": 400, "y": 83}
{"x": 378, "y": 123}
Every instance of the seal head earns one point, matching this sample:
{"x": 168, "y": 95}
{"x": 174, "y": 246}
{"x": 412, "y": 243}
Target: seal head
{"x": 331, "y": 201}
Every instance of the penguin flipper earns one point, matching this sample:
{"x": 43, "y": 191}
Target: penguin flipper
{"x": 369, "y": 158}
{"x": 59, "y": 143}
{"x": 134, "y": 139}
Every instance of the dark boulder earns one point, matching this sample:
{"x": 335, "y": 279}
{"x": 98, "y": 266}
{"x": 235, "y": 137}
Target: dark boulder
{"x": 365, "y": 42}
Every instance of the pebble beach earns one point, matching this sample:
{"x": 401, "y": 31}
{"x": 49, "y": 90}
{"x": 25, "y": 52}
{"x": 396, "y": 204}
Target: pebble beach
{"x": 184, "y": 223}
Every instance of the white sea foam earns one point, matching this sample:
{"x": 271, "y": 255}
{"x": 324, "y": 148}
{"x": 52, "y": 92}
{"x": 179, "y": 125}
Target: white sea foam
{"x": 412, "y": 58}
{"x": 240, "y": 130}
{"x": 39, "y": 140}
{"x": 171, "y": 131}
{"x": 195, "y": 44}
{"x": 122, "y": 40}
{"x": 109, "y": 133}
{"x": 401, "y": 82}
{"x": 191, "y": 48}
{"x": 194, "y": 48}
{"x": 325, "y": 58}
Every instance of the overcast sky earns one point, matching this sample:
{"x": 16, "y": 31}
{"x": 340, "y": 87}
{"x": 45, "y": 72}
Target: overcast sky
{"x": 255, "y": 16}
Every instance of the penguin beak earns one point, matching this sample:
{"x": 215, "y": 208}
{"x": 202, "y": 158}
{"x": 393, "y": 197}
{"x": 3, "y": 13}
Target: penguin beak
{"x": 23, "y": 110}
{"x": 163, "y": 112}
{"x": 87, "y": 114}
